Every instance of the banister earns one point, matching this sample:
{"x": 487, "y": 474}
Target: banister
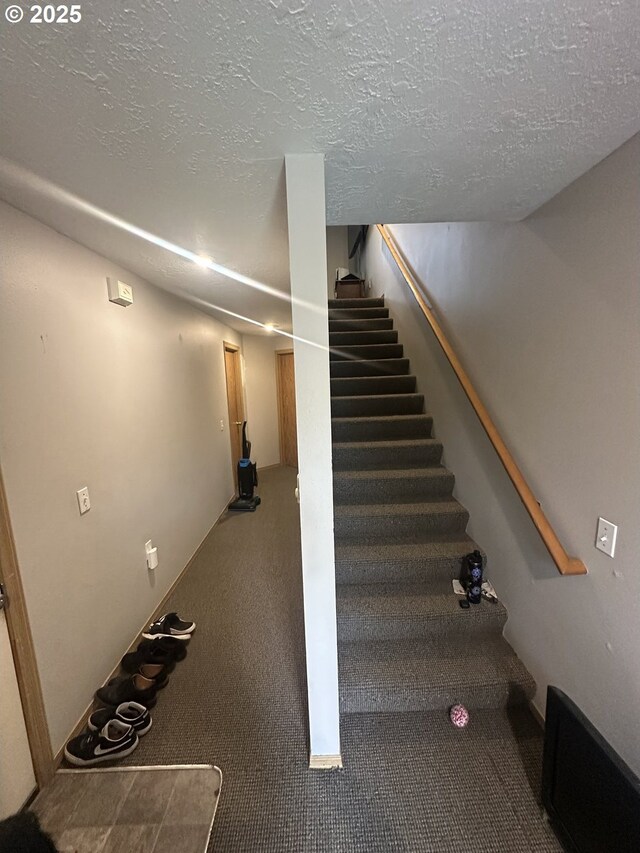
{"x": 566, "y": 565}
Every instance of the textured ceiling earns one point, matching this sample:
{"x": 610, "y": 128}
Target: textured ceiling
{"x": 176, "y": 116}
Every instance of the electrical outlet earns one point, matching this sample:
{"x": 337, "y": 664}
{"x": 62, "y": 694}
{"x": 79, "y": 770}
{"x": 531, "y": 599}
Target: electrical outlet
{"x": 606, "y": 537}
{"x": 84, "y": 502}
{"x": 152, "y": 555}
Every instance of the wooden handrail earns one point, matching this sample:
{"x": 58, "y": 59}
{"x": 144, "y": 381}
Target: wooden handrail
{"x": 566, "y": 565}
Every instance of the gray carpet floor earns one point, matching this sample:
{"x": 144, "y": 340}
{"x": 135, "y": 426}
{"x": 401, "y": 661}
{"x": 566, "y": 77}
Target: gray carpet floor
{"x": 411, "y": 782}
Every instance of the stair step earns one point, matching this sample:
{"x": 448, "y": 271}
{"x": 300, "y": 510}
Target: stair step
{"x": 352, "y": 386}
{"x": 408, "y": 612}
{"x": 357, "y": 313}
{"x": 381, "y": 367}
{"x": 359, "y": 302}
{"x": 367, "y": 351}
{"x": 361, "y": 324}
{"x": 353, "y": 339}
{"x": 431, "y": 674}
{"x": 392, "y": 486}
{"x": 439, "y": 559}
{"x": 377, "y": 404}
{"x": 404, "y": 643}
{"x": 381, "y": 427}
{"x": 377, "y": 455}
{"x": 416, "y": 522}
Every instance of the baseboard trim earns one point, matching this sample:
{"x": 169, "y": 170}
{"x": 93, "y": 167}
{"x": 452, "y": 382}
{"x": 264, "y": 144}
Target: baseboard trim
{"x": 82, "y": 722}
{"x": 325, "y": 762}
{"x": 537, "y": 715}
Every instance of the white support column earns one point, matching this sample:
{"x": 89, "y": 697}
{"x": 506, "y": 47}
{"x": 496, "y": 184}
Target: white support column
{"x": 308, "y": 269}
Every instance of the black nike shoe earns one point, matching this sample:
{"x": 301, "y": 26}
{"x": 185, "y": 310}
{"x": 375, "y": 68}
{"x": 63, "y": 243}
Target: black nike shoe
{"x": 133, "y": 688}
{"x": 114, "y": 741}
{"x": 170, "y": 625}
{"x": 129, "y": 713}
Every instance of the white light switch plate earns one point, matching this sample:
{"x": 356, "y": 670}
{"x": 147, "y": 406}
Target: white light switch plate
{"x": 84, "y": 502}
{"x": 606, "y": 537}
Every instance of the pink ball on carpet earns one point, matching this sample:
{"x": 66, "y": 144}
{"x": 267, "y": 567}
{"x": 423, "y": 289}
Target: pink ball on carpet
{"x": 459, "y": 716}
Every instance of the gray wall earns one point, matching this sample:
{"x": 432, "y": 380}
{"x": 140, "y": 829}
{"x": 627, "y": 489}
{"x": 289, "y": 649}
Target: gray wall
{"x": 545, "y": 317}
{"x": 126, "y": 401}
{"x": 337, "y": 254}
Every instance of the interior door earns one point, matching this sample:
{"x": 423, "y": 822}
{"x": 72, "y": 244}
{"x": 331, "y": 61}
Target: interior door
{"x": 17, "y": 779}
{"x": 235, "y": 402}
{"x": 285, "y": 376}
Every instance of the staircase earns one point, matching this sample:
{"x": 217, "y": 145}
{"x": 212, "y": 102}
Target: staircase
{"x": 404, "y": 642}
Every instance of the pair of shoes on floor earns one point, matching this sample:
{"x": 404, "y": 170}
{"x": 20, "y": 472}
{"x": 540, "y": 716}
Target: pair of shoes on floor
{"x": 140, "y": 687}
{"x": 113, "y": 733}
{"x": 166, "y": 651}
{"x": 170, "y": 625}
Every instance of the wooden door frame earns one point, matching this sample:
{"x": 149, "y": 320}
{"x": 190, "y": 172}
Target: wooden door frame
{"x": 228, "y": 346}
{"x": 277, "y": 354}
{"x": 23, "y": 651}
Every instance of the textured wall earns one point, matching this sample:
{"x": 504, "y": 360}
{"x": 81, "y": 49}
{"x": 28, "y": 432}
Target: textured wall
{"x": 125, "y": 401}
{"x": 545, "y": 317}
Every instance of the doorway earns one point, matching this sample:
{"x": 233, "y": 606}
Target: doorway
{"x": 26, "y": 759}
{"x": 286, "y": 384}
{"x": 235, "y": 402}
{"x": 17, "y": 778}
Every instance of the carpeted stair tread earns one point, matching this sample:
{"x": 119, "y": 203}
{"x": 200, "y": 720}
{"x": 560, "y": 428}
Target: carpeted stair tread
{"x": 405, "y": 644}
{"x": 439, "y": 558}
{"x": 367, "y": 351}
{"x": 360, "y": 324}
{"x": 397, "y": 485}
{"x": 360, "y": 302}
{"x": 358, "y": 313}
{"x": 352, "y": 339}
{"x": 413, "y": 522}
{"x": 446, "y": 545}
{"x": 399, "y": 453}
{"x": 408, "y": 611}
{"x": 431, "y": 674}
{"x": 417, "y": 509}
{"x": 393, "y": 474}
{"x": 347, "y": 386}
{"x": 381, "y": 428}
{"x": 373, "y": 367}
{"x": 377, "y": 404}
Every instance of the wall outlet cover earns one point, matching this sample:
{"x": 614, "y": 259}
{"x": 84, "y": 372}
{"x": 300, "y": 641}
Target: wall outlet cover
{"x": 84, "y": 501}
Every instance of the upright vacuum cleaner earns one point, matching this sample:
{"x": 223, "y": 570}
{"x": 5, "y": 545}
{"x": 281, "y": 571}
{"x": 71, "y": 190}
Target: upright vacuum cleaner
{"x": 247, "y": 479}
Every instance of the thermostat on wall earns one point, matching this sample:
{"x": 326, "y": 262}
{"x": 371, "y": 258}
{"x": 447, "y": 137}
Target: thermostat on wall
{"x": 119, "y": 292}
